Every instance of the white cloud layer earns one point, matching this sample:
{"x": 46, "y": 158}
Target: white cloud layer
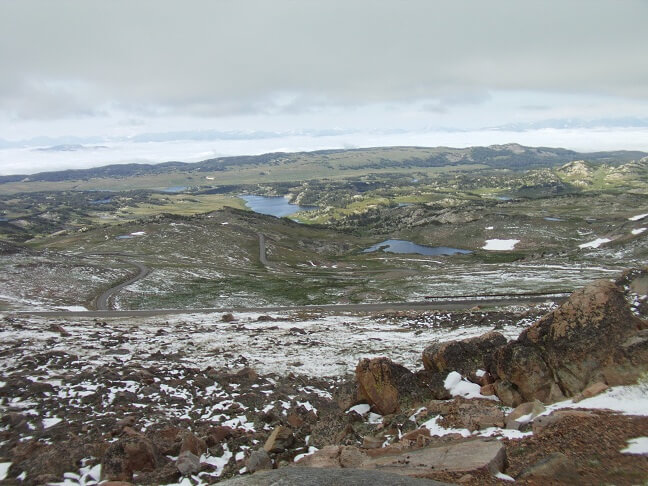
{"x": 102, "y": 69}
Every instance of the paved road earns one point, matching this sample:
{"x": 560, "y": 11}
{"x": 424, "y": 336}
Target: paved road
{"x": 262, "y": 250}
{"x": 103, "y": 302}
{"x": 430, "y": 304}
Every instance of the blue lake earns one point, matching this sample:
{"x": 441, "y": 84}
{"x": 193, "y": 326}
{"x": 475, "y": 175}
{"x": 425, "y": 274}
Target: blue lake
{"x": 274, "y": 206}
{"x": 404, "y": 246}
{"x": 549, "y": 218}
{"x": 175, "y": 189}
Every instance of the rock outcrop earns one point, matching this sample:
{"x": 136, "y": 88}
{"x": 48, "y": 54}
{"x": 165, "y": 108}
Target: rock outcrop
{"x": 300, "y": 476}
{"x": 593, "y": 337}
{"x": 464, "y": 456}
{"x": 465, "y": 357}
{"x": 381, "y": 383}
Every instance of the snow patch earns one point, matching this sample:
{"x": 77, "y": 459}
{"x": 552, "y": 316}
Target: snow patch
{"x": 638, "y": 231}
{"x": 457, "y": 386}
{"x": 439, "y": 431}
{"x": 51, "y": 422}
{"x": 361, "y": 409}
{"x": 629, "y": 400}
{"x": 4, "y": 469}
{"x": 595, "y": 244}
{"x": 499, "y": 245}
{"x": 638, "y": 445}
{"x": 504, "y": 477}
{"x": 311, "y": 450}
{"x": 638, "y": 217}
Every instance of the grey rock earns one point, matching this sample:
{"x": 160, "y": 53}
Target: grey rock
{"x": 467, "y": 456}
{"x": 556, "y": 466}
{"x": 258, "y": 461}
{"x": 304, "y": 476}
{"x": 188, "y": 463}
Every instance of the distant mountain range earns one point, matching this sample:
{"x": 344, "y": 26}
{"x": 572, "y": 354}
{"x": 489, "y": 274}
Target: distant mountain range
{"x": 509, "y": 156}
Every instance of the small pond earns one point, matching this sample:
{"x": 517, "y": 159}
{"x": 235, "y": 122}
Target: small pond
{"x": 174, "y": 189}
{"x": 404, "y": 246}
{"x": 274, "y": 206}
{"x": 549, "y": 218}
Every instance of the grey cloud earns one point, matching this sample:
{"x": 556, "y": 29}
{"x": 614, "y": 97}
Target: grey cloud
{"x": 226, "y": 57}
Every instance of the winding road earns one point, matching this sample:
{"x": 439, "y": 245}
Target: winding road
{"x": 262, "y": 249}
{"x": 103, "y": 302}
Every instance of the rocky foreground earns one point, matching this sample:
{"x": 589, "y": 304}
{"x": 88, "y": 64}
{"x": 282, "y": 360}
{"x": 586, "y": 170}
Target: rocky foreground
{"x": 484, "y": 397}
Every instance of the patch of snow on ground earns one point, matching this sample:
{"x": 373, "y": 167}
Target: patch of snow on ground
{"x": 638, "y": 445}
{"x": 500, "y": 245}
{"x": 361, "y": 409}
{"x": 311, "y": 450}
{"x": 51, "y": 422}
{"x": 503, "y": 433}
{"x": 504, "y": 477}
{"x": 595, "y": 244}
{"x": 218, "y": 462}
{"x": 638, "y": 231}
{"x": 4, "y": 469}
{"x": 439, "y": 431}
{"x": 73, "y": 308}
{"x": 629, "y": 400}
{"x": 638, "y": 217}
{"x": 457, "y": 386}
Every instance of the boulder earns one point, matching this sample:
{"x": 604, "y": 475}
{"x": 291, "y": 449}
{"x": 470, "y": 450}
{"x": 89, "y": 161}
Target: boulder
{"x": 556, "y": 467}
{"x": 127, "y": 456}
{"x": 594, "y": 389}
{"x": 382, "y": 383}
{"x": 36, "y": 459}
{"x": 305, "y": 476}
{"x": 465, "y": 357}
{"x": 188, "y": 463}
{"x": 258, "y": 461}
{"x": 193, "y": 444}
{"x": 168, "y": 440}
{"x": 351, "y": 457}
{"x": 541, "y": 423}
{"x": 432, "y": 385}
{"x": 371, "y": 442}
{"x": 466, "y": 456}
{"x": 523, "y": 414}
{"x": 327, "y": 457}
{"x": 280, "y": 439}
{"x": 507, "y": 393}
{"x": 477, "y": 414}
{"x": 592, "y": 337}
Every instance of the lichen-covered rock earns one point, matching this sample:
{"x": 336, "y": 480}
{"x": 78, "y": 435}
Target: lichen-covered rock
{"x": 593, "y": 337}
{"x": 381, "y": 383}
{"x": 127, "y": 456}
{"x": 554, "y": 467}
{"x": 465, "y": 357}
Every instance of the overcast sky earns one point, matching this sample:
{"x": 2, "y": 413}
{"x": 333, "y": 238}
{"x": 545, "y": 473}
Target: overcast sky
{"x": 373, "y": 71}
